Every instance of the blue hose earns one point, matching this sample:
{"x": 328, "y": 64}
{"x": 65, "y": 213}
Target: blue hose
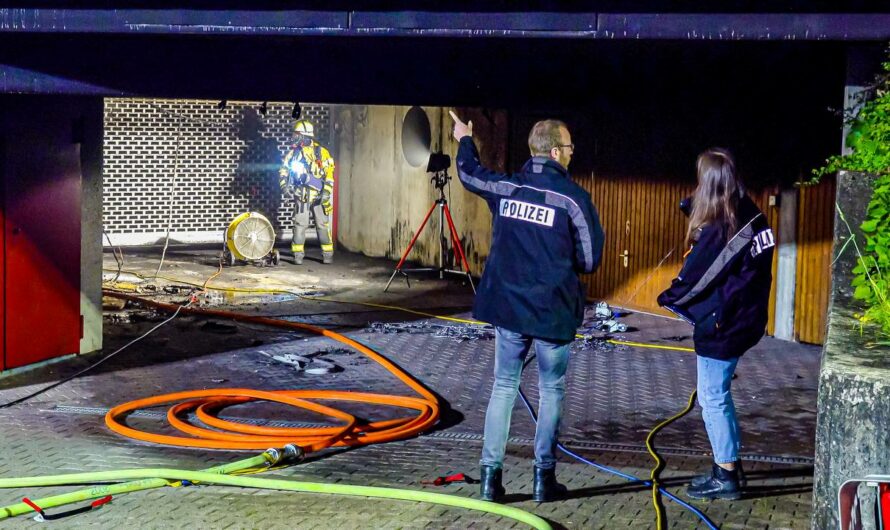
{"x": 607, "y": 469}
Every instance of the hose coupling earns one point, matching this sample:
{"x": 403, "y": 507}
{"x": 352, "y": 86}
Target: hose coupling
{"x": 289, "y": 454}
{"x": 293, "y": 454}
{"x": 272, "y": 456}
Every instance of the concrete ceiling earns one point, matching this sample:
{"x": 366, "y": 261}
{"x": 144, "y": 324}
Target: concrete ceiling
{"x": 500, "y": 54}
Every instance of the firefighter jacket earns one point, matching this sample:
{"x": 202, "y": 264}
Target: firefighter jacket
{"x": 309, "y": 169}
{"x": 545, "y": 231}
{"x": 724, "y": 285}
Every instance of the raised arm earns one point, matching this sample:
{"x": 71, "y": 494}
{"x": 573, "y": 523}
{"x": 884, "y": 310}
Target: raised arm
{"x": 470, "y": 171}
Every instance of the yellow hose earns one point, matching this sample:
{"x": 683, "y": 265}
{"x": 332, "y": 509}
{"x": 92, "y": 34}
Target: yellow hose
{"x": 659, "y": 463}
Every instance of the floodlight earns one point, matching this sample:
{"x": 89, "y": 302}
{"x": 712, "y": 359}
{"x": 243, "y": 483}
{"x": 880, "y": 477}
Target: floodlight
{"x": 438, "y": 162}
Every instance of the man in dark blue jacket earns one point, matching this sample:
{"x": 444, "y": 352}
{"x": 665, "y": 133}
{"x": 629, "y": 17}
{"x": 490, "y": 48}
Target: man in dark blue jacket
{"x": 545, "y": 232}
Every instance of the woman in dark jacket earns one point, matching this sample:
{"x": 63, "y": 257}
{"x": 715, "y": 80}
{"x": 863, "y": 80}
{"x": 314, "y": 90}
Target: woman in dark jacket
{"x": 723, "y": 289}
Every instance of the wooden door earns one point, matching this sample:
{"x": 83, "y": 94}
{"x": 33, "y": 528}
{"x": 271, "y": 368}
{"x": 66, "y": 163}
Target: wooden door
{"x": 645, "y": 233}
{"x": 815, "y": 233}
{"x": 644, "y": 239}
{"x": 771, "y": 211}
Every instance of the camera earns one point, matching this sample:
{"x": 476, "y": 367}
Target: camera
{"x": 438, "y": 162}
{"x": 686, "y": 206}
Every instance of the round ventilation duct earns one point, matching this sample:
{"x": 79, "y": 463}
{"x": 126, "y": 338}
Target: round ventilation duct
{"x": 416, "y": 137}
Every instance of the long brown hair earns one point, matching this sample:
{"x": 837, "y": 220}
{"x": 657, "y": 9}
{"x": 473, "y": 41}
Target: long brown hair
{"x": 716, "y": 198}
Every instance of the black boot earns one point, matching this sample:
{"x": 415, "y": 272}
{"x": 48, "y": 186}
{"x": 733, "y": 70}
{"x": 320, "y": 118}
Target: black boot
{"x": 722, "y": 484}
{"x": 546, "y": 488}
{"x": 743, "y": 482}
{"x": 490, "y": 487}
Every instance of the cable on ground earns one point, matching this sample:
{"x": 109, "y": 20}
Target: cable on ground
{"x": 649, "y": 483}
{"x": 204, "y": 408}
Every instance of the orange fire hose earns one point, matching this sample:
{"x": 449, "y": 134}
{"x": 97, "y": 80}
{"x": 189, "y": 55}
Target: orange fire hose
{"x": 239, "y": 436}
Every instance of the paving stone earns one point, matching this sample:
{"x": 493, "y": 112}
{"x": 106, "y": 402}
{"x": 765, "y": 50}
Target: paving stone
{"x": 616, "y": 394}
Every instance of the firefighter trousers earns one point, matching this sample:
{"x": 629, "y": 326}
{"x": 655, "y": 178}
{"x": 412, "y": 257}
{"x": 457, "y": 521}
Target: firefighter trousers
{"x": 302, "y": 213}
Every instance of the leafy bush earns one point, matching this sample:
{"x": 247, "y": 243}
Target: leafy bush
{"x": 871, "y": 280}
{"x": 869, "y": 139}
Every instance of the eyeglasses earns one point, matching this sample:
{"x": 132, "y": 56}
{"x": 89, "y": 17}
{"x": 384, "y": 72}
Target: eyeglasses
{"x": 570, "y": 146}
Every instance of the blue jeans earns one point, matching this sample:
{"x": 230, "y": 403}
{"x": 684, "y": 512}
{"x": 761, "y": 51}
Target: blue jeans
{"x": 510, "y": 352}
{"x": 717, "y": 407}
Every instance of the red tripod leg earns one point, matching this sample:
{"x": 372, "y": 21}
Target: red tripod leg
{"x": 455, "y": 241}
{"x": 416, "y": 235}
{"x": 408, "y": 250}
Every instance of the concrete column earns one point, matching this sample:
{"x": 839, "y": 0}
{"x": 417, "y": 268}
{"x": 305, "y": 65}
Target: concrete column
{"x": 786, "y": 271}
{"x": 853, "y": 407}
{"x": 374, "y": 172}
{"x": 91, "y": 141}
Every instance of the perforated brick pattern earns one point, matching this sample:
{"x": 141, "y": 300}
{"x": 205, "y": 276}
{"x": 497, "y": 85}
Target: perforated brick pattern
{"x": 194, "y": 166}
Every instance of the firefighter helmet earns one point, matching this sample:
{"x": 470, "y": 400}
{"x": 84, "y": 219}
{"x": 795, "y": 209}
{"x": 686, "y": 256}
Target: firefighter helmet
{"x": 305, "y": 128}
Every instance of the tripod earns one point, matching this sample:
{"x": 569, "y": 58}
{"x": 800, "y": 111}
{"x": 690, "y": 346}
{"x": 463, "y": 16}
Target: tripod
{"x": 439, "y": 179}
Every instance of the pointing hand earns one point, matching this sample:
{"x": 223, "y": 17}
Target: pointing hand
{"x": 461, "y": 129}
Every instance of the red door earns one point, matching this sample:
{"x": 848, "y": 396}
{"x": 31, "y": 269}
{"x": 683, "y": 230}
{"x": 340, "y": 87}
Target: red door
{"x": 41, "y": 236}
{"x": 2, "y": 244}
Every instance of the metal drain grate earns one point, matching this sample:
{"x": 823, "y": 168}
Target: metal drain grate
{"x": 625, "y": 448}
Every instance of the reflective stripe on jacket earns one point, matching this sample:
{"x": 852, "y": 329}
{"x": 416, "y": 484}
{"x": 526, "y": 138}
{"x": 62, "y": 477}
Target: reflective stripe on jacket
{"x": 545, "y": 231}
{"x": 310, "y": 167}
{"x": 724, "y": 285}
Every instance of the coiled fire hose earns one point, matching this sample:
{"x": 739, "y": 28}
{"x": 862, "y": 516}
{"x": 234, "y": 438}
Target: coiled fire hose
{"x": 240, "y": 436}
{"x": 656, "y": 489}
{"x": 215, "y": 403}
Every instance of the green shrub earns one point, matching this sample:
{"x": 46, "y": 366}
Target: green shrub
{"x": 871, "y": 280}
{"x": 869, "y": 139}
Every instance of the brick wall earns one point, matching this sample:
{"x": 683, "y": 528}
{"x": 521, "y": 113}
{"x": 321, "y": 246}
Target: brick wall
{"x": 194, "y": 166}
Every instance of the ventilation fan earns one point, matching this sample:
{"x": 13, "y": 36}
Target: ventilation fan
{"x": 250, "y": 237}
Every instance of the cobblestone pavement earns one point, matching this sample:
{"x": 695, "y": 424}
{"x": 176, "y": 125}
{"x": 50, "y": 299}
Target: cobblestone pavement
{"x": 616, "y": 394}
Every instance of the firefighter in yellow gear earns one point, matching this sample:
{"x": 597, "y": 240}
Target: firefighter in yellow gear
{"x": 308, "y": 175}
